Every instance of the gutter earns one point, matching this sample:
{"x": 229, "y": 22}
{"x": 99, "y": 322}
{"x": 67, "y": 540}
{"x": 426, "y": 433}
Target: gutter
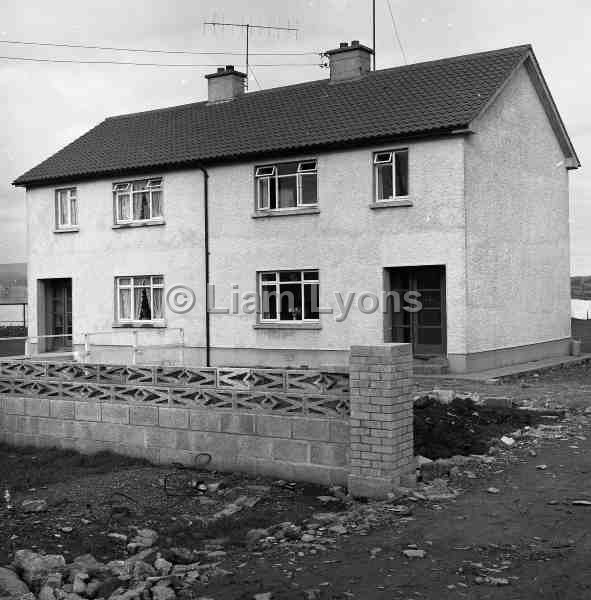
{"x": 206, "y": 258}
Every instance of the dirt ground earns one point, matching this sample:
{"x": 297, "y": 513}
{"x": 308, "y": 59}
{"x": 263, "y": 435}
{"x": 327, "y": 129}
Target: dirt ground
{"x": 513, "y": 524}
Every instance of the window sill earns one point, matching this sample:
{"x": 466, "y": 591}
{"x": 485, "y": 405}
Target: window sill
{"x": 66, "y": 230}
{"x": 302, "y": 326}
{"x": 390, "y": 203}
{"x": 285, "y": 212}
{"x": 140, "y": 325}
{"x": 139, "y": 224}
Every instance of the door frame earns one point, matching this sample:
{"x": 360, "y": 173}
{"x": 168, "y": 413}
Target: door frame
{"x": 388, "y": 321}
{"x": 44, "y": 324}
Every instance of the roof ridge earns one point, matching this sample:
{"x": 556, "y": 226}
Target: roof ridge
{"x": 326, "y": 81}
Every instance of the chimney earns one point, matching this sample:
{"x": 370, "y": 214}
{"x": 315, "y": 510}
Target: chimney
{"x": 349, "y": 61}
{"x": 225, "y": 84}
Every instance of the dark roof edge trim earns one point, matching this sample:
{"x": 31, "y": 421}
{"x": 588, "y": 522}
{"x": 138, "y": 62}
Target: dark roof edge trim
{"x": 460, "y": 128}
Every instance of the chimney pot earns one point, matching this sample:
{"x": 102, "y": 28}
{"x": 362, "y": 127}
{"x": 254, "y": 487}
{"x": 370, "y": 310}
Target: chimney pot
{"x": 229, "y": 67}
{"x": 349, "y": 61}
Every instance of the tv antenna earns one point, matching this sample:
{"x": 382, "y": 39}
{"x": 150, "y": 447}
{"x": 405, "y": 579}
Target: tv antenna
{"x": 248, "y": 27}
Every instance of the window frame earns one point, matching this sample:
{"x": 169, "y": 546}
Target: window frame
{"x": 277, "y": 284}
{"x": 132, "y": 287}
{"x": 121, "y": 188}
{"x": 376, "y": 163}
{"x": 72, "y": 194}
{"x": 275, "y": 176}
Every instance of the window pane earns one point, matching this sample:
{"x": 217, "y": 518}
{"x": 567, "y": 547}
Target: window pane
{"x": 141, "y": 206}
{"x": 156, "y": 204}
{"x": 291, "y": 301}
{"x": 402, "y": 173}
{"x": 290, "y": 276}
{"x": 309, "y": 189}
{"x": 308, "y": 165}
{"x": 385, "y": 183}
{"x": 268, "y": 276}
{"x": 73, "y": 211}
{"x": 63, "y": 208}
{"x": 383, "y": 157}
{"x": 273, "y": 192}
{"x": 269, "y": 302}
{"x": 287, "y": 192}
{"x": 311, "y": 301}
{"x": 265, "y": 171}
{"x": 287, "y": 168}
{"x": 142, "y": 309}
{"x": 263, "y": 191}
{"x": 141, "y": 281}
{"x": 311, "y": 275}
{"x": 124, "y": 281}
{"x": 123, "y": 207}
{"x": 157, "y": 280}
{"x": 139, "y": 185}
{"x": 158, "y": 312}
{"x": 125, "y": 303}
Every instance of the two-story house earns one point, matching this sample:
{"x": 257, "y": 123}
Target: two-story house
{"x": 320, "y": 205}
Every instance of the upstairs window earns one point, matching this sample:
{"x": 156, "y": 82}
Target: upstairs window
{"x": 288, "y": 296}
{"x": 138, "y": 201}
{"x": 66, "y": 209}
{"x": 391, "y": 175}
{"x": 285, "y": 186}
{"x": 139, "y": 299}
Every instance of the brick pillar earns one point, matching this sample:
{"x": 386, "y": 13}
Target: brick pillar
{"x": 381, "y": 425}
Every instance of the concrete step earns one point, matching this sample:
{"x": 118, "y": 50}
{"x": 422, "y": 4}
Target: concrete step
{"x": 436, "y": 365}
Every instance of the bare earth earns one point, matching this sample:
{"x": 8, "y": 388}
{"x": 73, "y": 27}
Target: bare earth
{"x": 529, "y": 537}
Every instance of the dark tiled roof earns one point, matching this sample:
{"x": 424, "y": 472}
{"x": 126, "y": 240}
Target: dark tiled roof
{"x": 422, "y": 98}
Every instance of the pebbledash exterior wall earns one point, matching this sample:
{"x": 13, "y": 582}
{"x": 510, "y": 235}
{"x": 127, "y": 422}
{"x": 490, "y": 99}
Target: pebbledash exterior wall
{"x": 491, "y": 206}
{"x": 361, "y": 438}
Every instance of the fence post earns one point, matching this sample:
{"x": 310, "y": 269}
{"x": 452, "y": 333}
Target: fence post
{"x": 381, "y": 424}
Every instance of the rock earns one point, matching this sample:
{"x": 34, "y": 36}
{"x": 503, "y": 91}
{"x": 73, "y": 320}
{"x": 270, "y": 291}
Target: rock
{"x": 265, "y": 596}
{"x": 46, "y": 593}
{"x": 11, "y": 586}
{"x": 542, "y": 467}
{"x": 256, "y": 535}
{"x": 338, "y": 529}
{"x": 422, "y": 460}
{"x": 33, "y": 506}
{"x": 493, "y": 490}
{"x": 324, "y": 517}
{"x": 443, "y": 396}
{"x": 161, "y": 592}
{"x": 118, "y": 567}
{"x": 414, "y": 553}
{"x": 35, "y": 567}
{"x": 438, "y": 490}
{"x": 92, "y": 587}
{"x": 181, "y": 555}
{"x": 487, "y": 580}
{"x": 312, "y": 594}
{"x": 507, "y": 441}
{"x": 162, "y": 566}
{"x": 120, "y": 537}
{"x": 79, "y": 583}
{"x": 87, "y": 564}
{"x": 142, "y": 570}
{"x": 136, "y": 593}
{"x": 308, "y": 538}
{"x": 106, "y": 588}
{"x": 145, "y": 538}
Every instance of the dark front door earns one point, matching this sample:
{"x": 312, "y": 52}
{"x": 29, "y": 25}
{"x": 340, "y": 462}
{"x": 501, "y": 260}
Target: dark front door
{"x": 58, "y": 315}
{"x": 424, "y": 328}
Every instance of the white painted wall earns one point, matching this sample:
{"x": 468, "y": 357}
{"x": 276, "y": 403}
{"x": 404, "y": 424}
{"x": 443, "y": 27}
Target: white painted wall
{"x": 348, "y": 242}
{"x": 517, "y": 225}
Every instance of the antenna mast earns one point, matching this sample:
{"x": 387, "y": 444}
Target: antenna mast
{"x": 247, "y": 27}
{"x": 373, "y": 27}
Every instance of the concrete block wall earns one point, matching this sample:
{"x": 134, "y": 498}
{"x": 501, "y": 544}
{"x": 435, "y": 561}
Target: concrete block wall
{"x": 370, "y": 451}
{"x": 289, "y": 447}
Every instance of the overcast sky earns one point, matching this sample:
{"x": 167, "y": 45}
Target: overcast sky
{"x": 45, "y": 106}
